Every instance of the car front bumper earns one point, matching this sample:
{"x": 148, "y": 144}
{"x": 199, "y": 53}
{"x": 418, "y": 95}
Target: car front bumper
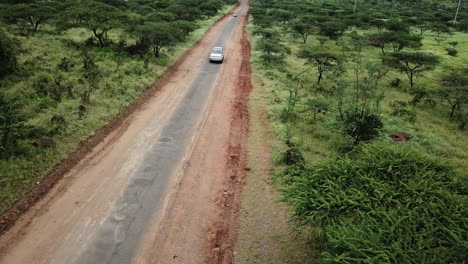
{"x": 216, "y": 58}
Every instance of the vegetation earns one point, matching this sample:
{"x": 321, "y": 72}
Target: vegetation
{"x": 68, "y": 67}
{"x": 338, "y": 104}
{"x": 383, "y": 204}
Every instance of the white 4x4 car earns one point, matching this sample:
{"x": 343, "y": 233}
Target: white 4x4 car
{"x": 217, "y": 54}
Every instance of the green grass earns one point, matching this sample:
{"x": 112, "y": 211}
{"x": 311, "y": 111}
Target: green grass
{"x": 432, "y": 132}
{"x": 432, "y": 128}
{"x": 118, "y": 87}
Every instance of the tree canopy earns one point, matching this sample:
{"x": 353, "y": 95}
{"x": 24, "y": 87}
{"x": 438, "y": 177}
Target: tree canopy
{"x": 32, "y": 13}
{"x": 159, "y": 35}
{"x": 95, "y": 16}
{"x": 412, "y": 63}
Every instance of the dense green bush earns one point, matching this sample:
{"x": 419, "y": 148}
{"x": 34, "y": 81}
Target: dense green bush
{"x": 385, "y": 203}
{"x": 361, "y": 126}
{"x": 7, "y": 55}
{"x": 452, "y": 52}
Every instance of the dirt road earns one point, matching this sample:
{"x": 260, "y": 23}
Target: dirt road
{"x": 164, "y": 186}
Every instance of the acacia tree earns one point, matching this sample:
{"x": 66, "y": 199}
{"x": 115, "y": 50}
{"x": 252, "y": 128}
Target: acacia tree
{"x": 186, "y": 26}
{"x": 454, "y": 89}
{"x": 97, "y": 17}
{"x": 33, "y": 13}
{"x": 304, "y": 26}
{"x": 412, "y": 63}
{"x": 397, "y": 40}
{"x": 332, "y": 29}
{"x": 380, "y": 40}
{"x": 7, "y": 55}
{"x": 324, "y": 60}
{"x": 91, "y": 74}
{"x": 159, "y": 35}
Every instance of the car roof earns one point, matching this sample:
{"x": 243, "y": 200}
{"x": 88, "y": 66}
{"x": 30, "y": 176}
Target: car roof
{"x": 217, "y": 48}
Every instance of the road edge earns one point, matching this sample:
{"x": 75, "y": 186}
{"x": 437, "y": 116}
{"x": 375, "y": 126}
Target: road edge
{"x": 223, "y": 233}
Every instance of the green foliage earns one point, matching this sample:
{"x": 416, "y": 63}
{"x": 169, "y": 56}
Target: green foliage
{"x": 292, "y": 156}
{"x": 41, "y": 84}
{"x": 323, "y": 60}
{"x": 381, "y": 225}
{"x": 95, "y": 16}
{"x": 406, "y": 113}
{"x": 454, "y": 89}
{"x": 361, "y": 125}
{"x": 398, "y": 40}
{"x": 159, "y": 35}
{"x": 316, "y": 106}
{"x": 33, "y": 14}
{"x": 452, "y": 52}
{"x": 303, "y": 26}
{"x": 91, "y": 74}
{"x": 412, "y": 63}
{"x": 332, "y": 29}
{"x": 7, "y": 55}
{"x": 12, "y": 123}
{"x": 61, "y": 95}
{"x": 270, "y": 44}
{"x": 387, "y": 203}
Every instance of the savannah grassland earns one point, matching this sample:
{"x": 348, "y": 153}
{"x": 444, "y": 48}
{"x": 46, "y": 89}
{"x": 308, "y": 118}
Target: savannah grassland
{"x": 345, "y": 202}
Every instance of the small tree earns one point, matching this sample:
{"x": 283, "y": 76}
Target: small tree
{"x": 423, "y": 27}
{"x": 439, "y": 27}
{"x": 412, "y": 63}
{"x": 454, "y": 89}
{"x": 95, "y": 16}
{"x": 401, "y": 40}
{"x": 186, "y": 26}
{"x": 397, "y": 40}
{"x": 273, "y": 50}
{"x": 359, "y": 115}
{"x": 7, "y": 55}
{"x": 34, "y": 14}
{"x": 302, "y": 28}
{"x": 159, "y": 35}
{"x": 282, "y": 15}
{"x": 380, "y": 40}
{"x": 316, "y": 106}
{"x": 12, "y": 122}
{"x": 332, "y": 29}
{"x": 90, "y": 80}
{"x": 323, "y": 60}
{"x": 362, "y": 126}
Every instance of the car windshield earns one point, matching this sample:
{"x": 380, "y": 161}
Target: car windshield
{"x": 217, "y": 51}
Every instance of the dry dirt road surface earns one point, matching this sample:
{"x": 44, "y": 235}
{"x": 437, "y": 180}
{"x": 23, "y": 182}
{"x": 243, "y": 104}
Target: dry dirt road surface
{"x": 164, "y": 186}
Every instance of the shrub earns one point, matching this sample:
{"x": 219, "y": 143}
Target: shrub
{"x": 409, "y": 115}
{"x": 292, "y": 156}
{"x": 42, "y": 83}
{"x": 361, "y": 126}
{"x": 385, "y": 203}
{"x": 7, "y": 55}
{"x": 452, "y": 52}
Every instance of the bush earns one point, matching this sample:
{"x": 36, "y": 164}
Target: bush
{"x": 42, "y": 84}
{"x": 385, "y": 203}
{"x": 452, "y": 52}
{"x": 361, "y": 126}
{"x": 292, "y": 156}
{"x": 409, "y": 115}
{"x": 7, "y": 55}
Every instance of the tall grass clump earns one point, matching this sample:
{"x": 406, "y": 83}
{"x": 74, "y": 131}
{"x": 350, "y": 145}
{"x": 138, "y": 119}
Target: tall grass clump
{"x": 383, "y": 203}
